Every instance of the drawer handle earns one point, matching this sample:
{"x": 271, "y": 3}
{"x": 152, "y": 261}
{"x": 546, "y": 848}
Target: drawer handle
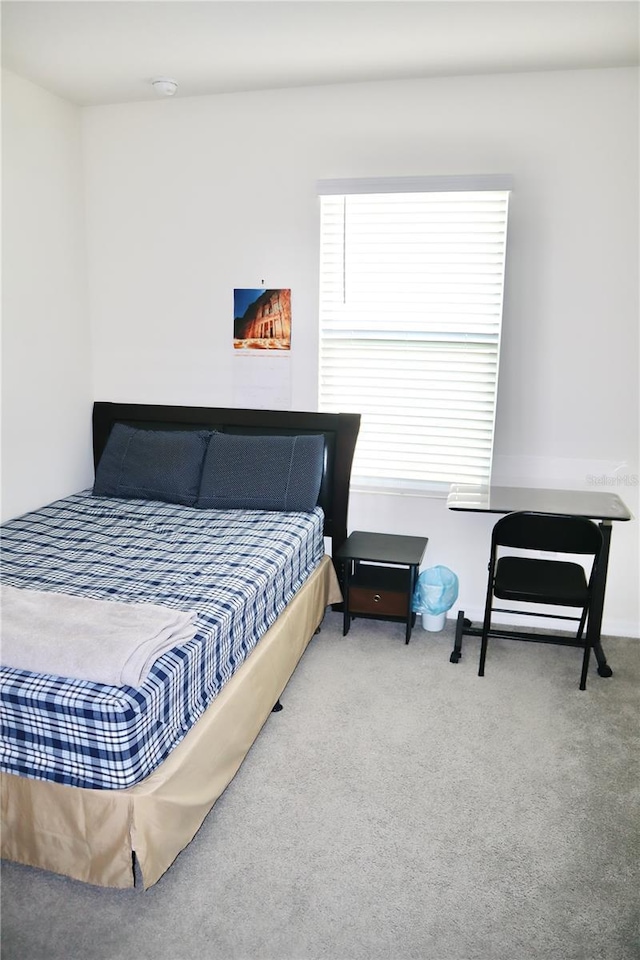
{"x": 376, "y": 598}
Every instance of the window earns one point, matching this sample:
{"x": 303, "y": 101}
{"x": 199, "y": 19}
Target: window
{"x": 411, "y": 294}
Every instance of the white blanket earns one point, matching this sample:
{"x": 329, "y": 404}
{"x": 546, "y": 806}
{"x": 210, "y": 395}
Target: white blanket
{"x": 101, "y": 640}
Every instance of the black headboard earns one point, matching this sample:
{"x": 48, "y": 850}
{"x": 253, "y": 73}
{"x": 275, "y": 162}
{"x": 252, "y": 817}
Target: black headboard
{"x": 340, "y": 431}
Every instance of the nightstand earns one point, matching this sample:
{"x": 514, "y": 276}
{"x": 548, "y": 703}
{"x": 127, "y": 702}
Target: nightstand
{"x": 379, "y": 576}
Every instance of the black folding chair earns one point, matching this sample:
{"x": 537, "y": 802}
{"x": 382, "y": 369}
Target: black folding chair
{"x": 534, "y": 580}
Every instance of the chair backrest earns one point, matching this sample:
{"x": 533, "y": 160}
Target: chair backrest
{"x": 551, "y": 532}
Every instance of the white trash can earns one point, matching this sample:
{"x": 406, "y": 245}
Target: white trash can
{"x": 435, "y": 592}
{"x": 434, "y": 621}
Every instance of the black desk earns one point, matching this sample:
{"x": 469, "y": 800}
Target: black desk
{"x": 594, "y": 505}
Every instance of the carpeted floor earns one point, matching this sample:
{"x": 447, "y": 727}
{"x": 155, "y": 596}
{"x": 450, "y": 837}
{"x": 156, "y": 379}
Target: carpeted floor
{"x": 398, "y": 807}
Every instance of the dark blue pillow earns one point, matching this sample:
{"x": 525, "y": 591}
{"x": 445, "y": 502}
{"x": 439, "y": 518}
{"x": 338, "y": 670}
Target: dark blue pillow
{"x": 152, "y": 464}
{"x": 262, "y": 473}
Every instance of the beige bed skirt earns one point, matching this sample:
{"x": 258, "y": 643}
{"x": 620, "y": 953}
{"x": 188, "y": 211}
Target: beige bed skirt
{"x": 90, "y": 835}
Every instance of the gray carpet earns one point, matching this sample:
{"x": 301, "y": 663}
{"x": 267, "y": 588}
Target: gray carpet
{"x": 398, "y": 807}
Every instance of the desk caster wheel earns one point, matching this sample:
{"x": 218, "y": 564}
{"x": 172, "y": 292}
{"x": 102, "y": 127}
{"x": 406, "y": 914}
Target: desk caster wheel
{"x": 455, "y": 656}
{"x": 605, "y": 670}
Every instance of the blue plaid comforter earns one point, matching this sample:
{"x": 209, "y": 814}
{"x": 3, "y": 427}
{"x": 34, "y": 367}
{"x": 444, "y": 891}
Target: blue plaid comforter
{"x": 237, "y": 569}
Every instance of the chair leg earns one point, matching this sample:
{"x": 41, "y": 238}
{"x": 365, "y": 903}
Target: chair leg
{"x": 585, "y": 660}
{"x": 486, "y": 626}
{"x": 483, "y": 652}
{"x": 583, "y": 620}
{"x": 486, "y": 623}
{"x": 585, "y": 666}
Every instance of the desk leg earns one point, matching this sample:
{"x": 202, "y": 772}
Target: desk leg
{"x": 462, "y": 626}
{"x": 597, "y": 605}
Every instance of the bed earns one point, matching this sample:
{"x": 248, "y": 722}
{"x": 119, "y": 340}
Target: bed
{"x": 91, "y": 818}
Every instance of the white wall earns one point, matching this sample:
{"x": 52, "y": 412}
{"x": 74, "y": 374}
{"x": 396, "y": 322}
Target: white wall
{"x": 46, "y": 375}
{"x": 188, "y": 198}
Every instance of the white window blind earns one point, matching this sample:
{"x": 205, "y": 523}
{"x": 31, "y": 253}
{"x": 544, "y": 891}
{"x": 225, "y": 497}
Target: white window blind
{"x": 411, "y": 296}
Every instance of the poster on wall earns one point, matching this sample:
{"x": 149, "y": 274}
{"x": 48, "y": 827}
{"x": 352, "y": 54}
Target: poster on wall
{"x": 262, "y": 348}
{"x": 261, "y": 319}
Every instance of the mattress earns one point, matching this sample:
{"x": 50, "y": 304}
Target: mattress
{"x": 236, "y": 569}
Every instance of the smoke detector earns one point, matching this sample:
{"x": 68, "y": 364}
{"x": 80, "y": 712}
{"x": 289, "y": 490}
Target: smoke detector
{"x": 164, "y": 86}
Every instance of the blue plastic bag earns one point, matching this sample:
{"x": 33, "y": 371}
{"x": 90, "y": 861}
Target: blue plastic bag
{"x": 436, "y": 591}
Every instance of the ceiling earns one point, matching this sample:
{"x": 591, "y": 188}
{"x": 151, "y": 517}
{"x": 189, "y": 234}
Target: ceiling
{"x": 107, "y": 51}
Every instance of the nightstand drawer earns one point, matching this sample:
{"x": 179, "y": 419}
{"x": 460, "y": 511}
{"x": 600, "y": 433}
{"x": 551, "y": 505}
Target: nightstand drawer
{"x": 383, "y": 603}
{"x": 379, "y": 591}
